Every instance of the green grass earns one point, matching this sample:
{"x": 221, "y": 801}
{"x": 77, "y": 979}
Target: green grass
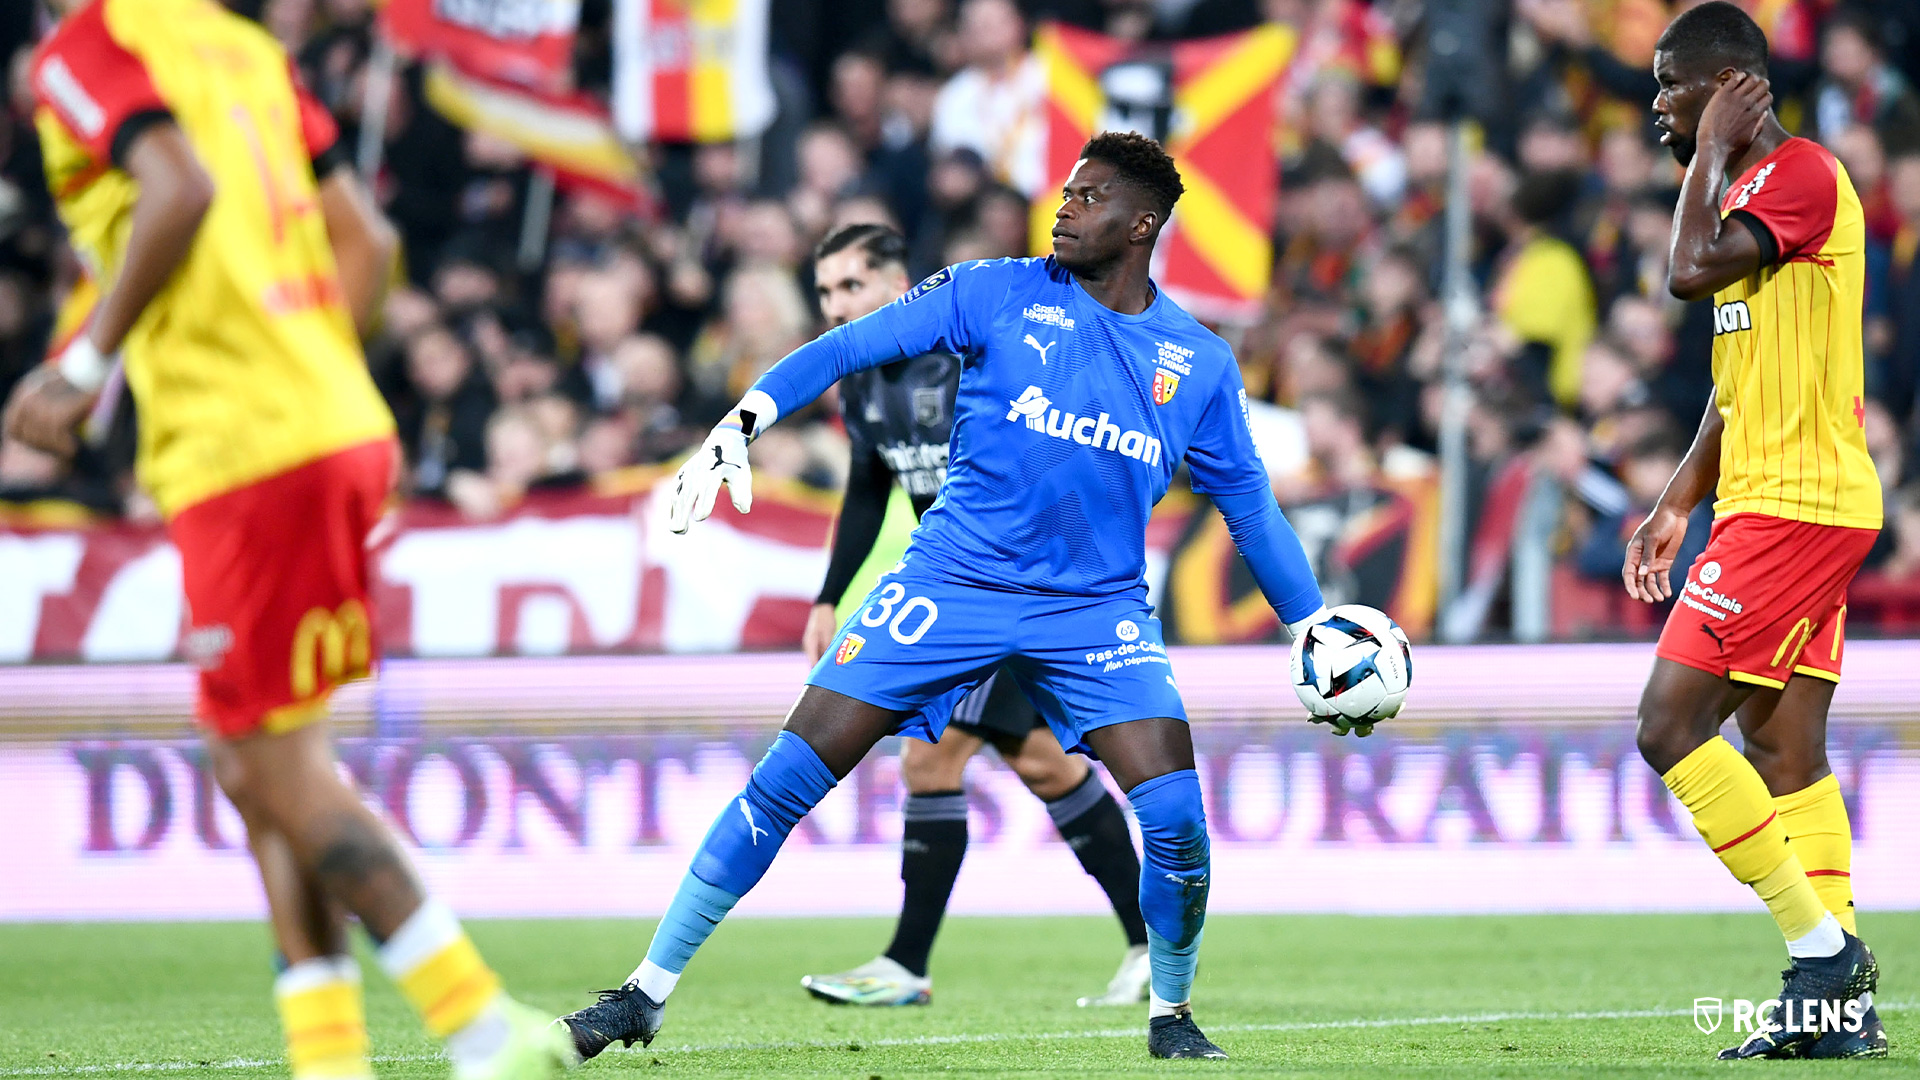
{"x": 1285, "y": 996}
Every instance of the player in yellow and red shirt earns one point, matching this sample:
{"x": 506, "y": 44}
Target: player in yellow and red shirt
{"x": 183, "y": 157}
{"x": 1770, "y": 227}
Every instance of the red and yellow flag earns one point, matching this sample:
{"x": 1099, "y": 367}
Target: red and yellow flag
{"x": 571, "y": 134}
{"x": 1210, "y": 102}
{"x": 528, "y": 42}
{"x": 691, "y": 70}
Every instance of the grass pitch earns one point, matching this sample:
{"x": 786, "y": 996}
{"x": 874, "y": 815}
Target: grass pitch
{"x": 1285, "y": 996}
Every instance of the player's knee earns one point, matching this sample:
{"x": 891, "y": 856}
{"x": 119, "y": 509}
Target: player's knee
{"x": 240, "y": 781}
{"x": 1663, "y": 743}
{"x": 789, "y": 781}
{"x": 1048, "y": 775}
{"x": 1173, "y": 820}
{"x": 928, "y": 768}
{"x": 1671, "y": 726}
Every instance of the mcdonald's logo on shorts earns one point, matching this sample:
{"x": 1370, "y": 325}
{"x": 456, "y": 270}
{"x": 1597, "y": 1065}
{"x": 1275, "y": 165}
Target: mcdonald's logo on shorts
{"x": 330, "y": 647}
{"x": 1803, "y": 632}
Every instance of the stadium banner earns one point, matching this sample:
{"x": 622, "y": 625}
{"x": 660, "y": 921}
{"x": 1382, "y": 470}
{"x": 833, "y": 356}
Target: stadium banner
{"x": 593, "y": 570}
{"x": 596, "y": 571}
{"x": 1210, "y": 101}
{"x": 528, "y": 42}
{"x": 580, "y": 786}
{"x": 691, "y": 70}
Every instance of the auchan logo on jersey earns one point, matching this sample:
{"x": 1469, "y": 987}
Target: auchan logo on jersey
{"x": 1730, "y": 317}
{"x": 1037, "y": 413}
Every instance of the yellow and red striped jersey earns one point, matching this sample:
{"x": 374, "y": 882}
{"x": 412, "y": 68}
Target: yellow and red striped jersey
{"x": 1788, "y": 368}
{"x": 246, "y": 364}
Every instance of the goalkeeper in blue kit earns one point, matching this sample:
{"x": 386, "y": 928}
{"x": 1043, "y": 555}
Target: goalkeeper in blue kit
{"x": 1082, "y": 389}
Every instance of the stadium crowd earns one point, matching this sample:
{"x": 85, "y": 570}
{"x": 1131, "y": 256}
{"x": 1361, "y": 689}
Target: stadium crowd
{"x": 632, "y": 329}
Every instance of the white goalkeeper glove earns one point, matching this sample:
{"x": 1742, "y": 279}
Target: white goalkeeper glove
{"x": 722, "y": 459}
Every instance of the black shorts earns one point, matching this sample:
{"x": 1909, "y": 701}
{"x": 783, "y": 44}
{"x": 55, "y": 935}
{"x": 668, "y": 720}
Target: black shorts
{"x": 996, "y": 708}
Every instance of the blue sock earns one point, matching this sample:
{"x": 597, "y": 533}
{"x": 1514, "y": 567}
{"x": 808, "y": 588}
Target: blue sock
{"x": 696, "y": 910}
{"x": 1173, "y": 879}
{"x": 787, "y": 783}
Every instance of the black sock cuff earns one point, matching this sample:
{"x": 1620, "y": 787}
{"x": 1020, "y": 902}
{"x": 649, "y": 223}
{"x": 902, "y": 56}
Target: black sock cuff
{"x": 936, "y": 806}
{"x": 1065, "y": 809}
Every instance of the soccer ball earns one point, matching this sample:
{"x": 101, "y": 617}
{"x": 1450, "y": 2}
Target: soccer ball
{"x": 1354, "y": 664}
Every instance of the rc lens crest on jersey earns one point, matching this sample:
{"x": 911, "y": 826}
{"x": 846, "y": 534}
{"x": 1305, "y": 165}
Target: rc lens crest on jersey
{"x": 849, "y": 648}
{"x": 1165, "y": 385}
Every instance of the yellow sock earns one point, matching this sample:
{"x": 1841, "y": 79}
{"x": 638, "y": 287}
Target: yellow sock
{"x": 1815, "y": 818}
{"x": 1736, "y": 817}
{"x": 439, "y": 971}
{"x": 324, "y": 1019}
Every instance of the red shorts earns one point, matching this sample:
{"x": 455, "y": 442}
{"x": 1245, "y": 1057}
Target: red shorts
{"x": 277, "y": 578}
{"x": 1767, "y": 600}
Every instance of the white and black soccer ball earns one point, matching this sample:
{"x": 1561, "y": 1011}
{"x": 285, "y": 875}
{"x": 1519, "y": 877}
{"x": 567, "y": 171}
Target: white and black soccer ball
{"x": 1355, "y": 663}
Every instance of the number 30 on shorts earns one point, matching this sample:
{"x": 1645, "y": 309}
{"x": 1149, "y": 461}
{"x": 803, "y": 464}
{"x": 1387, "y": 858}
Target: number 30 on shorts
{"x": 882, "y": 610}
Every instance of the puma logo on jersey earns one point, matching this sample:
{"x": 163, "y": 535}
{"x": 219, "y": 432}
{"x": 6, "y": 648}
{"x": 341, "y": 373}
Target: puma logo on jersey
{"x": 1730, "y": 317}
{"x": 1039, "y": 348}
{"x": 1037, "y": 413}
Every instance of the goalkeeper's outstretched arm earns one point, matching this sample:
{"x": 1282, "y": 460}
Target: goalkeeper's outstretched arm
{"x": 1274, "y": 553}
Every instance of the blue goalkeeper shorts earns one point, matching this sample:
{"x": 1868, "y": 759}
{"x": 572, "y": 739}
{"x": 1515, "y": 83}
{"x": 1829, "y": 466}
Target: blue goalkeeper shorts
{"x": 921, "y": 643}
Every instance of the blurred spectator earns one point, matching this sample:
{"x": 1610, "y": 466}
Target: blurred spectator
{"x": 765, "y": 317}
{"x": 1903, "y": 566}
{"x": 918, "y": 36}
{"x": 1884, "y": 444}
{"x": 1886, "y": 595}
{"x": 1609, "y": 383}
{"x": 1334, "y": 232}
{"x": 442, "y": 409}
{"x": 830, "y": 166}
{"x": 1392, "y": 299}
{"x": 520, "y": 455}
{"x": 1349, "y": 36}
{"x": 606, "y": 309}
{"x": 650, "y": 385}
{"x": 1895, "y": 373}
{"x": 1859, "y": 86}
{"x": 1625, "y": 224}
{"x": 1644, "y": 470}
{"x": 1335, "y": 423}
{"x": 1543, "y": 295}
{"x": 994, "y": 105}
{"x": 1337, "y": 120}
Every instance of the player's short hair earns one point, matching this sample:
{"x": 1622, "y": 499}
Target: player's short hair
{"x": 883, "y": 245}
{"x": 1718, "y": 34}
{"x": 1140, "y": 162}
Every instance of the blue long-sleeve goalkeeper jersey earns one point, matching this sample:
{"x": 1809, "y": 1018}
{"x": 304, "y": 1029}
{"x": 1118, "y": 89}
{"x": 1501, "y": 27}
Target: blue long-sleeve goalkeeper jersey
{"x": 1070, "y": 421}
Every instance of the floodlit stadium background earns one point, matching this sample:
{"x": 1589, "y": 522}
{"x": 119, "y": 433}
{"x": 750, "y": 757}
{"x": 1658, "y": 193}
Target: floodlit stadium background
{"x": 574, "y": 690}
